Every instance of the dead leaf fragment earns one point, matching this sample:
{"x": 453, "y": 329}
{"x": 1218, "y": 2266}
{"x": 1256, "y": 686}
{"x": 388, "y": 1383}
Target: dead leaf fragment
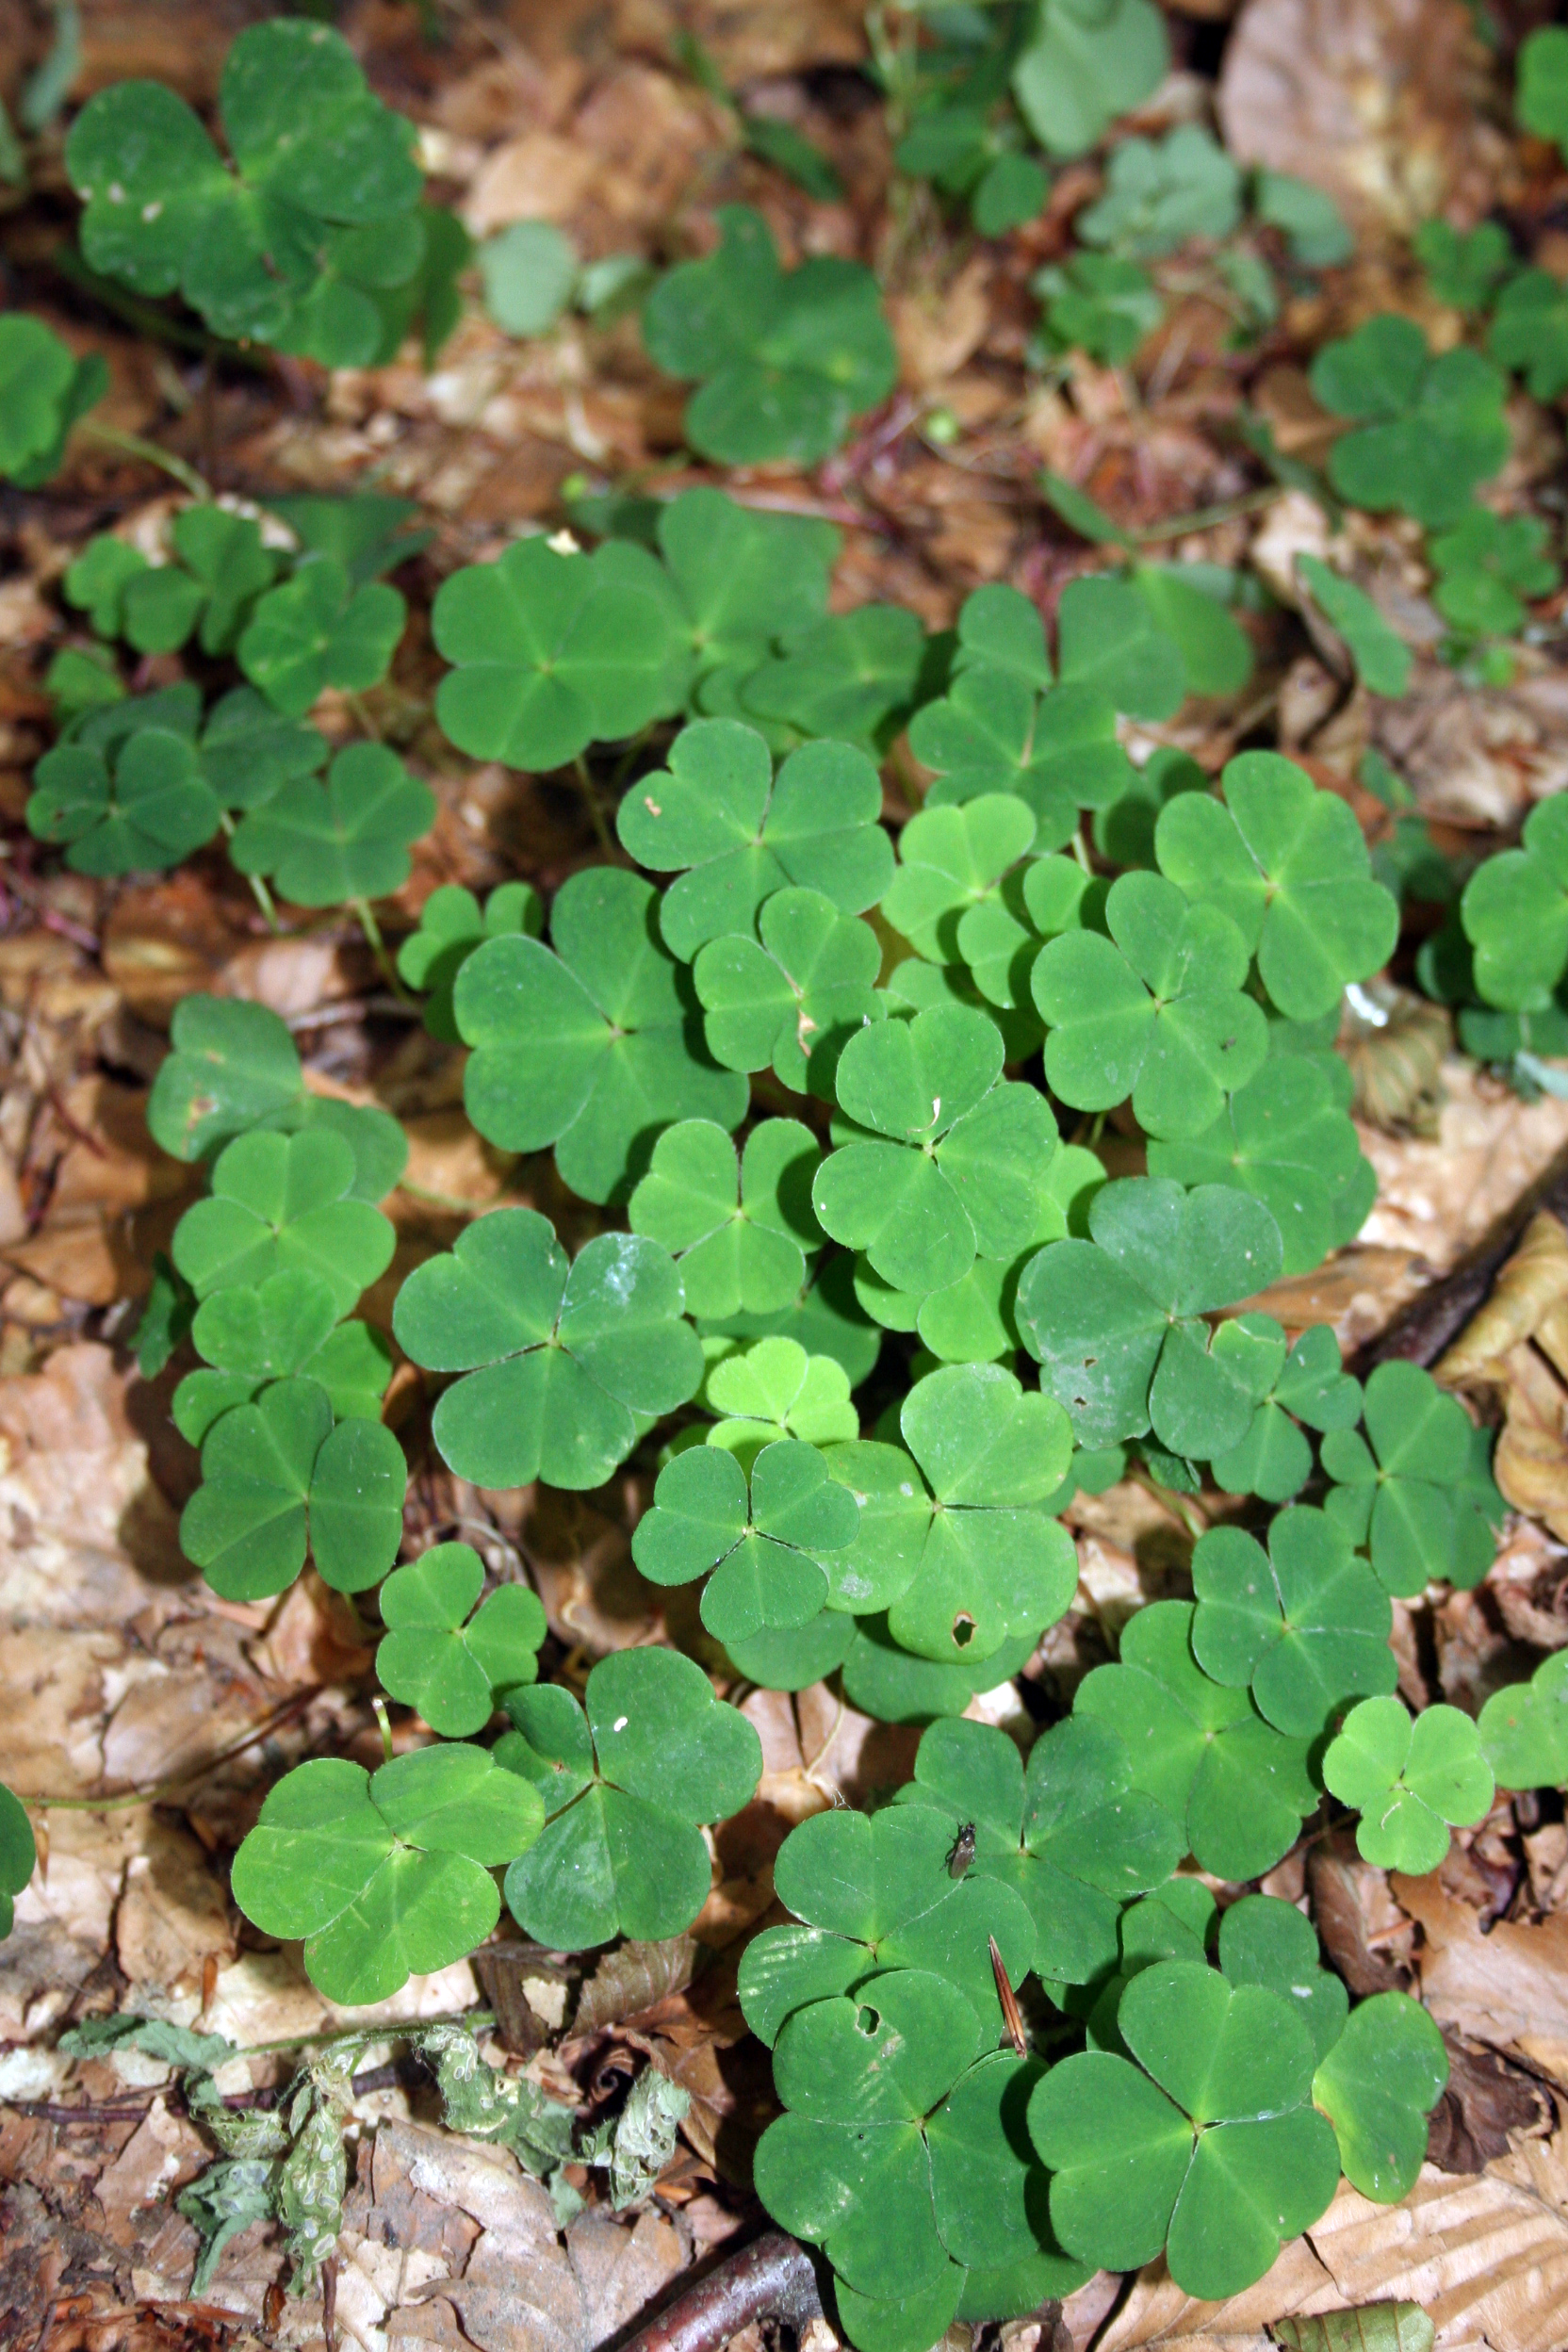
{"x": 1516, "y": 1350}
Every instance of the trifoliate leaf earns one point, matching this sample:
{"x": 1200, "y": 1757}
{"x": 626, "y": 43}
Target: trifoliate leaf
{"x": 741, "y": 834}
{"x": 231, "y": 1064}
{"x": 1305, "y": 1625}
{"x": 825, "y": 1318}
{"x": 311, "y": 146}
{"x": 624, "y": 1790}
{"x": 960, "y": 1551}
{"x": 992, "y": 734}
{"x": 1431, "y": 428}
{"x": 874, "y": 1894}
{"x": 739, "y": 1236}
{"x": 795, "y": 999}
{"x": 326, "y": 843}
{"x": 1116, "y": 1321}
{"x": 1395, "y": 1493}
{"x": 785, "y": 358}
{"x": 1001, "y": 628}
{"x": 1516, "y": 914}
{"x": 276, "y": 1476}
{"x": 760, "y": 1554}
{"x": 949, "y": 860}
{"x": 1381, "y": 657}
{"x": 451, "y": 925}
{"x": 1286, "y": 1138}
{"x": 1099, "y": 304}
{"x": 1187, "y": 602}
{"x": 594, "y": 1046}
{"x": 368, "y": 531}
{"x": 743, "y": 577}
{"x": 43, "y": 390}
{"x": 1206, "y": 2146}
{"x": 1530, "y": 331}
{"x": 276, "y": 1329}
{"x": 1409, "y": 1781}
{"x": 555, "y": 651}
{"x": 1155, "y": 1011}
{"x": 1289, "y": 866}
{"x": 1240, "y": 1788}
{"x": 773, "y": 1389}
{"x": 998, "y": 935}
{"x": 1378, "y": 2084}
{"x": 1265, "y": 1941}
{"x": 1160, "y": 193}
{"x": 451, "y": 1667}
{"x": 851, "y": 676}
{"x": 558, "y": 1356}
{"x": 1273, "y": 1459}
{"x": 1084, "y": 66}
{"x": 952, "y": 1160}
{"x": 1071, "y": 1835}
{"x": 1487, "y": 564}
{"x": 386, "y": 1876}
{"x": 138, "y": 810}
{"x": 1109, "y": 639}
{"x": 1523, "y": 1728}
{"x": 17, "y": 1856}
{"x": 249, "y": 751}
{"x": 280, "y": 1202}
{"x": 316, "y": 631}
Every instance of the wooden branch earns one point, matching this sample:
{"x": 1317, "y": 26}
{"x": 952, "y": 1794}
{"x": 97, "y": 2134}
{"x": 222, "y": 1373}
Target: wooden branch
{"x": 773, "y": 2277}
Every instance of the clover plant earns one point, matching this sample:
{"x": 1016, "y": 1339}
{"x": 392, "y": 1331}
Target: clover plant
{"x": 1409, "y": 1780}
{"x": 1516, "y": 914}
{"x": 44, "y": 391}
{"x": 17, "y": 1856}
{"x": 740, "y": 1226}
{"x": 1464, "y": 267}
{"x": 1099, "y": 304}
{"x": 1304, "y": 1626}
{"x": 1402, "y": 1489}
{"x": 1541, "y": 95}
{"x": 452, "y": 1662}
{"x": 1160, "y": 193}
{"x": 772, "y": 1389}
{"x": 1487, "y": 566}
{"x": 1428, "y": 428}
{"x": 756, "y": 1535}
{"x": 221, "y": 563}
{"x": 1530, "y": 331}
{"x": 1523, "y": 1728}
{"x": 786, "y": 358}
{"x": 1086, "y": 65}
{"x": 452, "y": 924}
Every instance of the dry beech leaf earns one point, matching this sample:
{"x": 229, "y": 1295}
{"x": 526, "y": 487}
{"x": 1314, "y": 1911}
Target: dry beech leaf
{"x": 1528, "y": 1300}
{"x": 633, "y": 1979}
{"x": 1515, "y": 1348}
{"x": 1507, "y": 1988}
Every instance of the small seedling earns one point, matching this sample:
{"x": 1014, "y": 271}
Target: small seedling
{"x": 1430, "y": 428}
{"x": 1399, "y": 1487}
{"x": 1099, "y": 304}
{"x": 1159, "y": 194}
{"x": 451, "y": 1667}
{"x": 1409, "y": 1781}
{"x": 278, "y": 1479}
{"x": 1487, "y": 566}
{"x": 17, "y": 1856}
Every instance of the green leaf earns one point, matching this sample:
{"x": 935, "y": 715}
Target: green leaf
{"x": 140, "y": 810}
{"x": 1114, "y": 1323}
{"x": 851, "y": 675}
{"x": 288, "y": 1324}
{"x": 624, "y": 1790}
{"x": 739, "y": 1234}
{"x": 594, "y": 1046}
{"x": 366, "y": 531}
{"x": 246, "y": 1525}
{"x": 528, "y": 272}
{"x": 1160, "y": 193}
{"x": 990, "y": 734}
{"x": 280, "y": 1202}
{"x": 951, "y": 1161}
{"x": 1394, "y": 1497}
{"x": 325, "y": 843}
{"x": 1013, "y": 190}
{"x": 1378, "y": 2084}
{"x": 1463, "y": 267}
{"x": 248, "y": 750}
{"x": 231, "y": 1064}
{"x": 1289, "y": 866}
{"x": 453, "y": 1671}
{"x": 44, "y": 389}
{"x": 385, "y": 1876}
{"x": 777, "y": 1389}
{"x": 1084, "y": 67}
{"x": 741, "y": 834}
{"x": 1541, "y": 96}
{"x": 1516, "y": 914}
{"x": 893, "y": 1685}
{"x": 1286, "y": 1138}
{"x": 1109, "y": 639}
{"x": 949, "y": 859}
{"x": 1097, "y": 304}
{"x": 1523, "y": 1728}
{"x": 876, "y": 1893}
{"x": 998, "y": 937}
{"x": 964, "y": 1556}
{"x": 759, "y": 1553}
{"x": 1487, "y": 564}
{"x": 1201, "y": 1750}
{"x": 1409, "y": 1781}
{"x": 95, "y": 581}
{"x": 17, "y": 1856}
{"x": 1214, "y": 647}
{"x": 1305, "y": 1624}
{"x": 1382, "y": 659}
{"x": 1155, "y": 1011}
{"x": 316, "y": 631}
{"x": 1273, "y": 1459}
{"x": 1530, "y": 331}
{"x": 786, "y": 359}
{"x": 1314, "y": 229}
{"x": 451, "y": 925}
{"x": 1206, "y": 2145}
{"x": 1432, "y": 428}
{"x": 1265, "y": 1941}
{"x": 1000, "y": 628}
{"x": 559, "y": 1359}
{"x": 743, "y": 577}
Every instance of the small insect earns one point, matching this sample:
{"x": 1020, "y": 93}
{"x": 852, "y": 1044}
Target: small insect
{"x": 1012, "y": 2017}
{"x": 962, "y": 1852}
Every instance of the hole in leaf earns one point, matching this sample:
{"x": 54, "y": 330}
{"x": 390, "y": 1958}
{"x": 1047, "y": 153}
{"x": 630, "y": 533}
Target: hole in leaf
{"x": 963, "y": 1629}
{"x": 866, "y": 2021}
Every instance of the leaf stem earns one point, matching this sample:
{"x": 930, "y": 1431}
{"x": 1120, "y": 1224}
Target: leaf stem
{"x": 132, "y": 445}
{"x": 379, "y": 1704}
{"x": 593, "y": 809}
{"x": 371, "y": 929}
{"x": 259, "y": 891}
{"x": 1205, "y": 517}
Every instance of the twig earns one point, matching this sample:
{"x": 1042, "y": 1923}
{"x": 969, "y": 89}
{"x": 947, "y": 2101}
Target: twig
{"x": 398, "y": 2030}
{"x": 771, "y": 2278}
{"x": 158, "y": 1789}
{"x": 351, "y": 1008}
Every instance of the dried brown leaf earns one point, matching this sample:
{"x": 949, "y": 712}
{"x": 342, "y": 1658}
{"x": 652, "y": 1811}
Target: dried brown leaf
{"x": 633, "y": 1979}
{"x": 1507, "y": 1988}
{"x": 1531, "y": 1286}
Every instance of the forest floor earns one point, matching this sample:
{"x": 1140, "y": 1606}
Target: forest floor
{"x": 127, "y": 1679}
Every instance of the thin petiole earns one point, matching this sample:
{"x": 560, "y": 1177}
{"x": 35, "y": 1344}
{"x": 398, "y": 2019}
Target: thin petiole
{"x": 132, "y": 445}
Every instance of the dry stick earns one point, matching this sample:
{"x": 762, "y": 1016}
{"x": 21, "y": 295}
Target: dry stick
{"x": 1424, "y": 1331}
{"x": 161, "y": 1788}
{"x": 773, "y": 2277}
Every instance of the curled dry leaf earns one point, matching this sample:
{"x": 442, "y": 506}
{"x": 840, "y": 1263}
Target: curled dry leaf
{"x": 1515, "y": 1351}
{"x": 634, "y": 1978}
